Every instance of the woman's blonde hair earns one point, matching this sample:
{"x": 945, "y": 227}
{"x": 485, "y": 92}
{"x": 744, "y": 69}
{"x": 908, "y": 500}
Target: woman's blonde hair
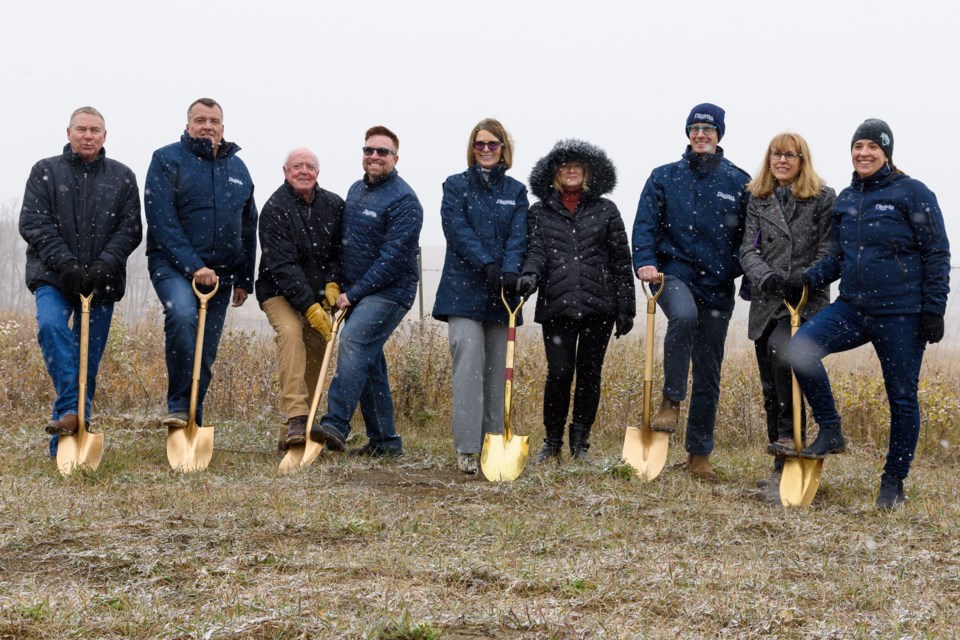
{"x": 806, "y": 185}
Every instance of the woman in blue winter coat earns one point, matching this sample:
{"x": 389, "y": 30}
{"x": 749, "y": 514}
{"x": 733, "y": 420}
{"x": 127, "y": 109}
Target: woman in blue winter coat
{"x": 787, "y": 230}
{"x": 890, "y": 251}
{"x": 484, "y": 217}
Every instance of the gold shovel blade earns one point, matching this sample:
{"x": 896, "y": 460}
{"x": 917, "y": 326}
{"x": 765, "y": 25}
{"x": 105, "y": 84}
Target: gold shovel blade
{"x": 646, "y": 451}
{"x": 83, "y": 450}
{"x": 300, "y": 456}
{"x": 190, "y": 449}
{"x": 799, "y": 481}
{"x": 502, "y": 459}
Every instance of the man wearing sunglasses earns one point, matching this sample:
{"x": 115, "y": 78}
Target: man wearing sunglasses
{"x": 688, "y": 227}
{"x": 382, "y": 218}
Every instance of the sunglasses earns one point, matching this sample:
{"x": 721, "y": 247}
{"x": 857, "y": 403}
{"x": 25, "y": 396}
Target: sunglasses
{"x": 382, "y": 152}
{"x": 493, "y": 145}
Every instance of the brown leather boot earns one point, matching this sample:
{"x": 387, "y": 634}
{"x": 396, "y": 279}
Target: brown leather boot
{"x": 700, "y": 468}
{"x": 668, "y": 416}
{"x": 296, "y": 431}
{"x": 65, "y": 426}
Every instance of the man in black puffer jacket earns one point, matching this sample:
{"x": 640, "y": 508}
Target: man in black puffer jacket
{"x": 298, "y": 281}
{"x": 81, "y": 221}
{"x": 579, "y": 257}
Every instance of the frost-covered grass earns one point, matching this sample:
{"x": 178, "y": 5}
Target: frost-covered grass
{"x": 413, "y": 549}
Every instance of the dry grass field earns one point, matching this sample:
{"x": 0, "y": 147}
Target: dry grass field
{"x": 412, "y": 549}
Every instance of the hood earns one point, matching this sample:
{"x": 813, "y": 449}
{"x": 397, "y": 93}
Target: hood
{"x": 604, "y": 177}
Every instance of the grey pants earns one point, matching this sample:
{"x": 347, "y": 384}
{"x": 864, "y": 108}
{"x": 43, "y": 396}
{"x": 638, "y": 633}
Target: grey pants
{"x": 479, "y": 351}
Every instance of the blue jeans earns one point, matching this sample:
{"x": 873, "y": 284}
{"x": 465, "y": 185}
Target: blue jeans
{"x": 361, "y": 375}
{"x": 180, "y": 317}
{"x": 896, "y": 339}
{"x": 60, "y": 345}
{"x": 696, "y": 333}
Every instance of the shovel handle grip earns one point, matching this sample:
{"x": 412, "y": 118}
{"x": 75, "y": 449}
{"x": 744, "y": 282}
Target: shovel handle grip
{"x": 205, "y": 297}
{"x": 652, "y": 299}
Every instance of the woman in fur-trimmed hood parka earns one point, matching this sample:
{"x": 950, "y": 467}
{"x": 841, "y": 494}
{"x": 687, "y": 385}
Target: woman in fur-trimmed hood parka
{"x": 578, "y": 256}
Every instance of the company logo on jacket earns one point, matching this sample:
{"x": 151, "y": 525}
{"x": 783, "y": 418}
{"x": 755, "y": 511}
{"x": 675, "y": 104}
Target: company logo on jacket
{"x": 512, "y": 203}
{"x": 885, "y": 207}
{"x": 235, "y": 180}
{"x": 369, "y": 214}
{"x": 726, "y": 196}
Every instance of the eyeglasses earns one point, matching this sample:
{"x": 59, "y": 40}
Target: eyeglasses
{"x": 480, "y": 145}
{"x": 789, "y": 156}
{"x": 382, "y": 152}
{"x": 701, "y": 128}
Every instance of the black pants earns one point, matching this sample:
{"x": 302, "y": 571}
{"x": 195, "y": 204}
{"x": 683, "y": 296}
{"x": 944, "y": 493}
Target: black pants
{"x": 574, "y": 346}
{"x": 776, "y": 380}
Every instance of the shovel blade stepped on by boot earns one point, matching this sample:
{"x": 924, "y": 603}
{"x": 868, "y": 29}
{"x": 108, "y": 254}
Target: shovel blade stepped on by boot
{"x": 190, "y": 449}
{"x": 504, "y": 455}
{"x": 301, "y": 456}
{"x": 801, "y": 477}
{"x": 83, "y": 450}
{"x": 643, "y": 448}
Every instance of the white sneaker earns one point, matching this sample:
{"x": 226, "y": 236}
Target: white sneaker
{"x": 467, "y": 462}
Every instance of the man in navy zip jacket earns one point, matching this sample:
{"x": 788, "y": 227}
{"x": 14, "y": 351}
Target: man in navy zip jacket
{"x": 201, "y": 225}
{"x": 688, "y": 227}
{"x": 382, "y": 218}
{"x": 81, "y": 221}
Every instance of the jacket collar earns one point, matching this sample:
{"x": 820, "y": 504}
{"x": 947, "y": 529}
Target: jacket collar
{"x": 376, "y": 184}
{"x": 496, "y": 174}
{"x": 884, "y": 176}
{"x": 203, "y": 148}
{"x": 703, "y": 163}
{"x": 74, "y": 158}
{"x": 299, "y": 198}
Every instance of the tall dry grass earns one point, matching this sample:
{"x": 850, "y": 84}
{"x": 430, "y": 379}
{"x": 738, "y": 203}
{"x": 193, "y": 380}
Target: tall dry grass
{"x": 132, "y": 386}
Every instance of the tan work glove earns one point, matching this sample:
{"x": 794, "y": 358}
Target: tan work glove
{"x": 319, "y": 320}
{"x": 332, "y": 292}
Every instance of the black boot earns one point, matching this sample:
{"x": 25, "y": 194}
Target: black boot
{"x": 891, "y": 493}
{"x": 580, "y": 441}
{"x": 552, "y": 445}
{"x": 829, "y": 440}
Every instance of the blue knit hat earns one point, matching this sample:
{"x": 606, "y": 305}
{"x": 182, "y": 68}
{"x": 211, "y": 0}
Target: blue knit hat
{"x": 709, "y": 114}
{"x": 876, "y": 131}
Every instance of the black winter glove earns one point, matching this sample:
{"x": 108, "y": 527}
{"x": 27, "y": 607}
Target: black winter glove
{"x": 71, "y": 279}
{"x": 98, "y": 277}
{"x": 624, "y": 324}
{"x": 773, "y": 286}
{"x": 491, "y": 272}
{"x": 527, "y": 284}
{"x": 509, "y": 282}
{"x": 931, "y": 327}
{"x": 793, "y": 288}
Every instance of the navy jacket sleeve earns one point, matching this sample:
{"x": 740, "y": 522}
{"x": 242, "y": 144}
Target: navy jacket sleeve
{"x": 827, "y": 268}
{"x": 38, "y": 221}
{"x": 516, "y": 244}
{"x": 160, "y": 202}
{"x": 647, "y": 223}
{"x": 926, "y": 220}
{"x": 402, "y": 240}
{"x": 249, "y": 238}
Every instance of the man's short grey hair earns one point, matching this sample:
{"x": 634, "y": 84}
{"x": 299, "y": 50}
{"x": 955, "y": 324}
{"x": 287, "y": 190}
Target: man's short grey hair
{"x": 316, "y": 160}
{"x": 207, "y": 102}
{"x": 89, "y": 111}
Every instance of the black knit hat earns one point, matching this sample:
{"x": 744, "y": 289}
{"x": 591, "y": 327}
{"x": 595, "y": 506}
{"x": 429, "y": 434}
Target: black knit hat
{"x": 877, "y": 131}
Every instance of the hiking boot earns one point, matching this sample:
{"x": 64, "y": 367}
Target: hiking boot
{"x": 371, "y": 450}
{"x": 667, "y": 419}
{"x": 467, "y": 463}
{"x": 700, "y": 468}
{"x": 65, "y": 426}
{"x": 328, "y": 437}
{"x": 296, "y": 432}
{"x": 550, "y": 452}
{"x": 784, "y": 446}
{"x": 176, "y": 420}
{"x": 891, "y": 493}
{"x": 773, "y": 480}
{"x": 829, "y": 440}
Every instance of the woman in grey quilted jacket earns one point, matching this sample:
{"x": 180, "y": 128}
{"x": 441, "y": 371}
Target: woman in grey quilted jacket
{"x": 787, "y": 230}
